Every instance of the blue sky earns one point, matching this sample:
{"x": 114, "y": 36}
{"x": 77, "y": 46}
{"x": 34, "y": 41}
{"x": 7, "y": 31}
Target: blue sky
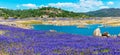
{"x": 70, "y": 5}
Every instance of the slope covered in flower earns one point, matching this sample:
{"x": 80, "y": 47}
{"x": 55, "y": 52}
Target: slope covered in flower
{"x": 17, "y": 41}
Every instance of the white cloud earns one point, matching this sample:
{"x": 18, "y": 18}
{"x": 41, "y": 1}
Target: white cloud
{"x": 29, "y": 5}
{"x": 90, "y": 3}
{"x": 102, "y": 7}
{"x": 59, "y": 5}
{"x": 18, "y": 6}
{"x": 110, "y": 3}
{"x": 43, "y": 6}
{"x": 82, "y": 5}
{"x": 2, "y": 7}
{"x": 82, "y": 0}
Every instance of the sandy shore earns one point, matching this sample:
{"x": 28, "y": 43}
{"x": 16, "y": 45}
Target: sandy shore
{"x": 26, "y": 24}
{"x": 82, "y": 23}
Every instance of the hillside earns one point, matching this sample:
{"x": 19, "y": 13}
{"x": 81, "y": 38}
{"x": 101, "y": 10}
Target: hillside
{"x": 111, "y": 12}
{"x": 55, "y": 12}
{"x": 40, "y": 12}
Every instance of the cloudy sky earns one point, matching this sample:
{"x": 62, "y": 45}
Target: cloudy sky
{"x": 70, "y": 5}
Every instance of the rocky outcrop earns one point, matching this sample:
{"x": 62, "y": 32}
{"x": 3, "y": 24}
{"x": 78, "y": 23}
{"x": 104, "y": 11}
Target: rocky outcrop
{"x": 97, "y": 32}
{"x": 52, "y": 30}
{"x": 106, "y": 34}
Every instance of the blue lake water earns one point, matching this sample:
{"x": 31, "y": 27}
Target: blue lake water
{"x": 81, "y": 31}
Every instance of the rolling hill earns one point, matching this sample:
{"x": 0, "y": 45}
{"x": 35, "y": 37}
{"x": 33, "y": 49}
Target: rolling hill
{"x": 111, "y": 12}
{"x": 55, "y": 12}
{"x": 40, "y": 12}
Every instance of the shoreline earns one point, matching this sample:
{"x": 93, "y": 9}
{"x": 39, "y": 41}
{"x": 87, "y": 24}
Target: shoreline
{"x": 26, "y": 24}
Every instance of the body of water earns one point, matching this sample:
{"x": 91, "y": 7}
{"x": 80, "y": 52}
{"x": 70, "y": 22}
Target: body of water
{"x": 88, "y": 30}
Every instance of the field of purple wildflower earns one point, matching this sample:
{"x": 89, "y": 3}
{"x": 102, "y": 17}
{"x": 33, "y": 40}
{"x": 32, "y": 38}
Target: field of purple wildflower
{"x": 17, "y": 41}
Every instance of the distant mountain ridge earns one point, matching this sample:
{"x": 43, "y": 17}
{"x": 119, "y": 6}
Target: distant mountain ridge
{"x": 108, "y": 12}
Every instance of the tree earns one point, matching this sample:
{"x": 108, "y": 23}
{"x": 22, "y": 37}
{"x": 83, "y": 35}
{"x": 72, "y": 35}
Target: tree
{"x": 5, "y": 16}
{"x": 15, "y": 17}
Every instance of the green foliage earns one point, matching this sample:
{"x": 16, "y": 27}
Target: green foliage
{"x": 40, "y": 12}
{"x": 5, "y": 16}
{"x": 16, "y": 17}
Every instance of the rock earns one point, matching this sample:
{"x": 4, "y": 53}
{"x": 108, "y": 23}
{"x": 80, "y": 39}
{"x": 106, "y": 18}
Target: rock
{"x": 52, "y": 30}
{"x": 97, "y": 32}
{"x": 106, "y": 34}
{"x": 119, "y": 34}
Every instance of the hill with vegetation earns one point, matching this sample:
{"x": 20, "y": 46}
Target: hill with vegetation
{"x": 40, "y": 12}
{"x": 109, "y": 12}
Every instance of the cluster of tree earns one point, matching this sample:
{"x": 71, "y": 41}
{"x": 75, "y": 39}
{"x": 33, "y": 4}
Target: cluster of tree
{"x": 40, "y": 12}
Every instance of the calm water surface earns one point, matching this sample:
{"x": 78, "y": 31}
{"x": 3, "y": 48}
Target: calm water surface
{"x": 81, "y": 31}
